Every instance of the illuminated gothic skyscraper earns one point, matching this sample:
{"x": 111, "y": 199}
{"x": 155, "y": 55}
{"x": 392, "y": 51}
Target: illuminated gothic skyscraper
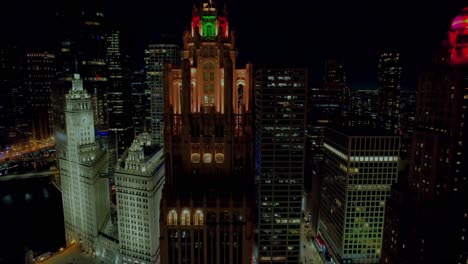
{"x": 206, "y": 211}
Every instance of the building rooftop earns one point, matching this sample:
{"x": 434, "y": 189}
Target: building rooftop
{"x": 364, "y": 132}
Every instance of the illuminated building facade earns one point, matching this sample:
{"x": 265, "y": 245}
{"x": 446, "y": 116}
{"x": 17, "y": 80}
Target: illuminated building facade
{"x": 207, "y": 210}
{"x": 280, "y": 97}
{"x": 156, "y": 55}
{"x": 359, "y": 169}
{"x": 139, "y": 178}
{"x": 388, "y": 100}
{"x": 458, "y": 50}
{"x": 85, "y": 191}
{"x": 39, "y": 80}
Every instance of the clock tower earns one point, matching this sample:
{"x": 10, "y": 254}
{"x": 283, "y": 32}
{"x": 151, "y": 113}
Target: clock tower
{"x": 83, "y": 168}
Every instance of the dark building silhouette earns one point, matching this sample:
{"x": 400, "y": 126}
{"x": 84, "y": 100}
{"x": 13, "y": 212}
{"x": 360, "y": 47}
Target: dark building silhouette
{"x": 388, "y": 100}
{"x": 429, "y": 223}
{"x": 280, "y": 111}
{"x": 141, "y": 115}
{"x": 329, "y": 103}
{"x": 118, "y": 93}
{"x": 39, "y": 80}
{"x": 13, "y": 97}
{"x": 81, "y": 48}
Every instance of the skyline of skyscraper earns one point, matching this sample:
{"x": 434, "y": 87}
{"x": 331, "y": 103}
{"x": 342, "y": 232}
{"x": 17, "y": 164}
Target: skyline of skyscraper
{"x": 231, "y": 162}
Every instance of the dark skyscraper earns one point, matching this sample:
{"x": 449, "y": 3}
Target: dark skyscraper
{"x": 280, "y": 103}
{"x": 156, "y": 56}
{"x": 39, "y": 80}
{"x": 118, "y": 95}
{"x": 207, "y": 205}
{"x": 388, "y": 102}
{"x": 329, "y": 102}
{"x": 81, "y": 47}
{"x": 13, "y": 97}
{"x": 428, "y": 221}
{"x": 140, "y": 102}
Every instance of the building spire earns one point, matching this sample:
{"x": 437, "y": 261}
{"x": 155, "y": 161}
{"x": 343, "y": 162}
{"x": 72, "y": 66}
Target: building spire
{"x": 77, "y": 83}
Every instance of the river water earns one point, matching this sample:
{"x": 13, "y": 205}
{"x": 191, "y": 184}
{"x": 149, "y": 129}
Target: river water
{"x": 31, "y": 216}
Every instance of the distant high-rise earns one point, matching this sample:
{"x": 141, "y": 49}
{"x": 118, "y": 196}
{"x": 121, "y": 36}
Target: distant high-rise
{"x": 156, "y": 56}
{"x": 141, "y": 114}
{"x": 39, "y": 80}
{"x": 13, "y": 98}
{"x": 118, "y": 95}
{"x": 83, "y": 167}
{"x": 280, "y": 110}
{"x": 329, "y": 101}
{"x": 388, "y": 102}
{"x": 139, "y": 178}
{"x": 81, "y": 47}
{"x": 435, "y": 195}
{"x": 359, "y": 168}
{"x": 207, "y": 206}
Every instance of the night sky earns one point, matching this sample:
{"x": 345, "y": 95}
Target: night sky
{"x": 292, "y": 32}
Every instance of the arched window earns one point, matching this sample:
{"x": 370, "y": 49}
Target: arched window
{"x": 207, "y": 157}
{"x": 172, "y": 218}
{"x": 219, "y": 157}
{"x": 195, "y": 158}
{"x": 209, "y": 30}
{"x": 185, "y": 218}
{"x": 198, "y": 218}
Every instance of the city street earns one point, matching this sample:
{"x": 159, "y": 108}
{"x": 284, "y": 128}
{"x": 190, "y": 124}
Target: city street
{"x": 309, "y": 254}
{"x": 71, "y": 255}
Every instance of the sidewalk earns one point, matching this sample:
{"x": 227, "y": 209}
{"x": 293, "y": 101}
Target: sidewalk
{"x": 71, "y": 255}
{"x": 309, "y": 254}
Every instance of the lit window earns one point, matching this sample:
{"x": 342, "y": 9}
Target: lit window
{"x": 207, "y": 158}
{"x": 185, "y": 218}
{"x": 195, "y": 158}
{"x": 172, "y": 218}
{"x": 198, "y": 218}
{"x": 219, "y": 157}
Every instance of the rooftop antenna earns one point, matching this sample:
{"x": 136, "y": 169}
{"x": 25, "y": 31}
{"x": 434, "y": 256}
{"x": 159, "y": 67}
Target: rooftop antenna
{"x": 76, "y": 65}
